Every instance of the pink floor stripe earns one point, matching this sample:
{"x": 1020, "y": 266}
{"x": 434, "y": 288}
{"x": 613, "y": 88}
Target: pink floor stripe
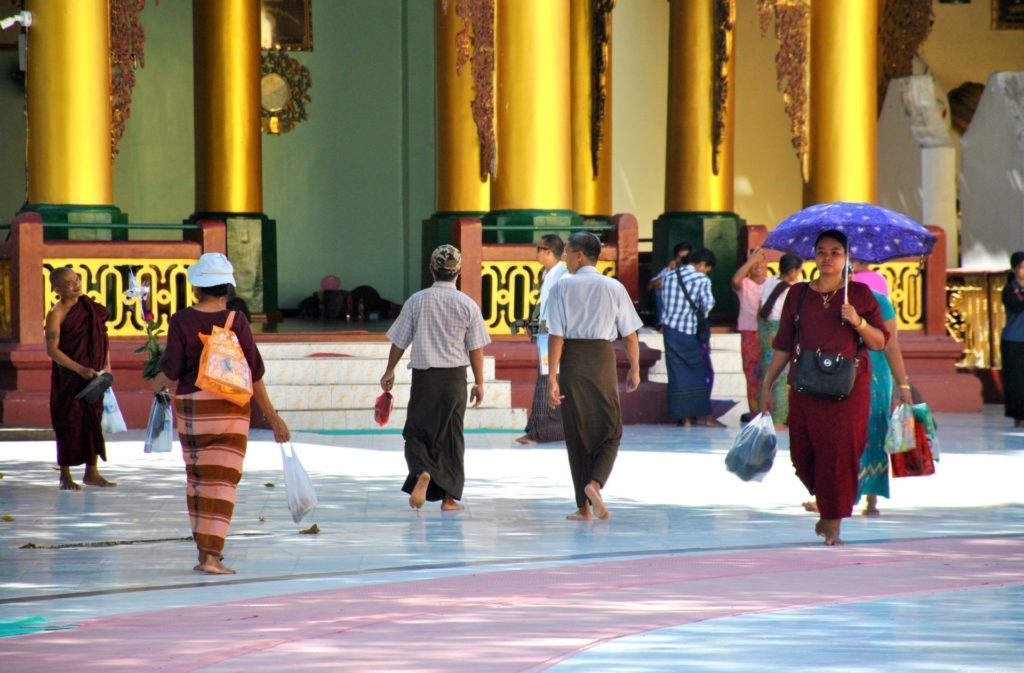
{"x": 521, "y": 621}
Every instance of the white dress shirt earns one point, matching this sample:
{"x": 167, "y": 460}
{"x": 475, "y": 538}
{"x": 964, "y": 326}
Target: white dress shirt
{"x": 590, "y": 305}
{"x": 551, "y": 276}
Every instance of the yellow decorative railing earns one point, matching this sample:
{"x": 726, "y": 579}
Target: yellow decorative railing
{"x": 511, "y": 290}
{"x": 6, "y": 303}
{"x": 975, "y": 316}
{"x": 105, "y": 281}
{"x": 906, "y": 289}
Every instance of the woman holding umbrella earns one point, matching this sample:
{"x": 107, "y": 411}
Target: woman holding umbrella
{"x": 827, "y": 436}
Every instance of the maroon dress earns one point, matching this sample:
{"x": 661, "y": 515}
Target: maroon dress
{"x": 827, "y": 437}
{"x": 76, "y": 423}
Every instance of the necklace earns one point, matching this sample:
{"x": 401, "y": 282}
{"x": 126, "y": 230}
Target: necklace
{"x": 826, "y": 297}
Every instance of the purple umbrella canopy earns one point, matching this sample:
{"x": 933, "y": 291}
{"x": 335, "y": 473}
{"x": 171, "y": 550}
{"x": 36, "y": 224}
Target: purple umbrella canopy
{"x": 875, "y": 234}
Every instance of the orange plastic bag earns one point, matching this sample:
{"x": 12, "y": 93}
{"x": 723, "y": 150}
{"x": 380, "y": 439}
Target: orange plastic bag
{"x": 223, "y": 369}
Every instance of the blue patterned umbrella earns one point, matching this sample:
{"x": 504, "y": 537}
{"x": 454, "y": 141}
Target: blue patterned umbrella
{"x": 875, "y": 234}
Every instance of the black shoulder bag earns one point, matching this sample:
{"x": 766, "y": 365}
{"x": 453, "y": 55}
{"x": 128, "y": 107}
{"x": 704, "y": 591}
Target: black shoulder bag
{"x": 822, "y": 374}
{"x": 703, "y": 324}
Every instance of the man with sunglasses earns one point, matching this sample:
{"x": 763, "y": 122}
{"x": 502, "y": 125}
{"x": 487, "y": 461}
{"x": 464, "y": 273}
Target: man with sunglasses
{"x": 545, "y": 423}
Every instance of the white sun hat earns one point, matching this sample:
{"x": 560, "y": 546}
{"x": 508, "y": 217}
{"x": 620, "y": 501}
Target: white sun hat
{"x": 212, "y": 269}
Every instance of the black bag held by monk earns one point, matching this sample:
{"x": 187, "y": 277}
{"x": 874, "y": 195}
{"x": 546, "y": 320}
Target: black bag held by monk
{"x": 820, "y": 374}
{"x": 703, "y": 324}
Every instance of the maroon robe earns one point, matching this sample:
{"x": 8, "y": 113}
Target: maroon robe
{"x": 77, "y": 424}
{"x": 827, "y": 437}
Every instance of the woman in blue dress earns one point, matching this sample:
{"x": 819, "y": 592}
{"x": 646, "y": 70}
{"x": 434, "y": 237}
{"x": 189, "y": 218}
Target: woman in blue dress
{"x": 873, "y": 480}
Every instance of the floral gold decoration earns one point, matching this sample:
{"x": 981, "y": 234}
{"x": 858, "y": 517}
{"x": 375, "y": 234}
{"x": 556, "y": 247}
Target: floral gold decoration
{"x": 600, "y": 62}
{"x": 902, "y": 28}
{"x": 127, "y": 52}
{"x": 792, "y": 20}
{"x": 285, "y": 82}
{"x": 475, "y": 45}
{"x": 724, "y": 22}
{"x": 511, "y": 290}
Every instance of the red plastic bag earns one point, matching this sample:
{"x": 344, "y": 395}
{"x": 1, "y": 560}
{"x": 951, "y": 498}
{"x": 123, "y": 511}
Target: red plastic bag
{"x": 917, "y": 462}
{"x": 382, "y": 408}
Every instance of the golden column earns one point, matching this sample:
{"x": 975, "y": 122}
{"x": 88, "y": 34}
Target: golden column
{"x": 691, "y": 182}
{"x": 459, "y": 187}
{"x": 68, "y": 101}
{"x": 534, "y": 155}
{"x": 843, "y": 118}
{"x": 591, "y": 194}
{"x": 226, "y": 61}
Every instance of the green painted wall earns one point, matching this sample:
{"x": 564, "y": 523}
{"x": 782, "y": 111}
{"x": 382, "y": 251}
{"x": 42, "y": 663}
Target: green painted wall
{"x": 349, "y": 186}
{"x": 12, "y": 138}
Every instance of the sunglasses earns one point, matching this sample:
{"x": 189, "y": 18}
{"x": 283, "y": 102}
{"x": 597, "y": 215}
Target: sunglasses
{"x": 541, "y": 247}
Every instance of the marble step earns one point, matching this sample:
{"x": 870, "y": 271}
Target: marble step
{"x": 497, "y": 395}
{"x": 341, "y": 370}
{"x": 510, "y": 420}
{"x": 365, "y": 349}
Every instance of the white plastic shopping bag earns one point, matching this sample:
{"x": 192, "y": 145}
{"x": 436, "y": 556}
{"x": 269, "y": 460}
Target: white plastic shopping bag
{"x": 297, "y": 484}
{"x": 112, "y": 421}
{"x": 900, "y": 435}
{"x": 753, "y": 452}
{"x": 159, "y": 430}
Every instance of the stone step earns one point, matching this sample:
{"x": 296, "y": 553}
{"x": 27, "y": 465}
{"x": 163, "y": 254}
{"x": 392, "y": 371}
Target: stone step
{"x": 361, "y": 397}
{"x": 342, "y": 370}
{"x": 510, "y": 420}
{"x": 363, "y": 349}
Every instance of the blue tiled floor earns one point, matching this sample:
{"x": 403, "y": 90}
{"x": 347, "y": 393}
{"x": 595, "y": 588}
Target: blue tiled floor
{"x": 107, "y": 552}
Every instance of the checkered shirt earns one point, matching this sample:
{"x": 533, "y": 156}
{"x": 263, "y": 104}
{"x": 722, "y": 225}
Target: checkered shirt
{"x": 678, "y": 313}
{"x": 442, "y": 325}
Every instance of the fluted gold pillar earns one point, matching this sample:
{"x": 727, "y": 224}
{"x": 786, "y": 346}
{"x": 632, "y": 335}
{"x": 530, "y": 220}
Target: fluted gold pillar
{"x": 843, "y": 125}
{"x": 68, "y": 101}
{"x": 591, "y": 195}
{"x": 532, "y": 111}
{"x": 690, "y": 182}
{"x": 459, "y": 187}
{"x": 226, "y": 57}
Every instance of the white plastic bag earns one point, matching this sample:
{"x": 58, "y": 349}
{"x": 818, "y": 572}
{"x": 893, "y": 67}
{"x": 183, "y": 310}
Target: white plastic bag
{"x": 112, "y": 421}
{"x": 900, "y": 435}
{"x": 753, "y": 452}
{"x": 297, "y": 485}
{"x": 159, "y": 428}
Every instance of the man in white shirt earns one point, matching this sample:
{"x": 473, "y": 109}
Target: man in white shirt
{"x": 588, "y": 311}
{"x": 545, "y": 422}
{"x": 447, "y": 333}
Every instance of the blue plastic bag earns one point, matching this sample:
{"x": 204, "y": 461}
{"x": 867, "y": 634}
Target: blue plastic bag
{"x": 158, "y": 430}
{"x": 112, "y": 420}
{"x": 753, "y": 452}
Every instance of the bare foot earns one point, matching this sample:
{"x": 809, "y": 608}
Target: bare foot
{"x": 213, "y": 567}
{"x": 685, "y": 423}
{"x": 810, "y": 506}
{"x": 92, "y": 477}
{"x": 593, "y": 491}
{"x": 711, "y": 422}
{"x": 66, "y": 482}
{"x": 525, "y": 439}
{"x": 828, "y": 529}
{"x": 781, "y": 426}
{"x": 871, "y": 507}
{"x": 419, "y": 491}
{"x": 582, "y": 514}
{"x": 449, "y": 504}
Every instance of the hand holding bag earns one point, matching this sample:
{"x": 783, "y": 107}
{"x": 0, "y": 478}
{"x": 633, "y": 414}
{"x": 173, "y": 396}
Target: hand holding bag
{"x": 297, "y": 485}
{"x": 161, "y": 420}
{"x": 223, "y": 369}
{"x": 820, "y": 374}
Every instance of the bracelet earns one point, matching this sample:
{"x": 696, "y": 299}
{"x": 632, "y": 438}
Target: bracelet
{"x": 904, "y": 386}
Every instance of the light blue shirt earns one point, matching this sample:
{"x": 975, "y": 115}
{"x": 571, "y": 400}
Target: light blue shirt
{"x": 551, "y": 276}
{"x": 590, "y": 305}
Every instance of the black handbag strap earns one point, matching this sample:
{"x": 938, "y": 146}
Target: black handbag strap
{"x": 693, "y": 305}
{"x": 796, "y": 327}
{"x": 769, "y": 303}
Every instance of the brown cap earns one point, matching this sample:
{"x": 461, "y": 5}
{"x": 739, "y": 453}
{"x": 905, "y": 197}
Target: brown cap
{"x": 446, "y": 257}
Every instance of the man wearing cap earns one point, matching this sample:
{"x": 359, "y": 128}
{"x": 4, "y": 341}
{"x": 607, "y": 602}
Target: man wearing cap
{"x": 588, "y": 312}
{"x": 76, "y": 341}
{"x": 447, "y": 333}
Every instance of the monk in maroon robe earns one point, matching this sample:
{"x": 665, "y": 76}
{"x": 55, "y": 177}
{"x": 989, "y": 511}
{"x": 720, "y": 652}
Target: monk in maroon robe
{"x": 76, "y": 341}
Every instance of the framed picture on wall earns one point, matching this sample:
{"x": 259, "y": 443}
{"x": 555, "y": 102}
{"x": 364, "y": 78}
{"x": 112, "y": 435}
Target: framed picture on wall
{"x": 286, "y": 25}
{"x": 1008, "y": 14}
